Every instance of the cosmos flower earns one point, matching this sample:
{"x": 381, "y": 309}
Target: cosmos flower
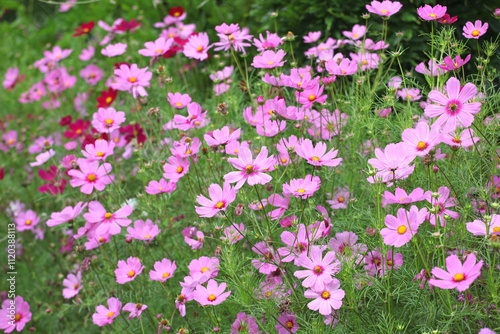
{"x": 220, "y": 198}
{"x": 105, "y": 316}
{"x": 250, "y": 170}
{"x": 128, "y": 270}
{"x": 459, "y": 276}
{"x": 213, "y": 294}
{"x": 475, "y": 30}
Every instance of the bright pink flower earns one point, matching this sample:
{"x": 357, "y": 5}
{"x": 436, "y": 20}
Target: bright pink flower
{"x": 429, "y": 13}
{"x": 188, "y": 147}
{"x": 441, "y": 203}
{"x": 105, "y": 221}
{"x": 208, "y": 266}
{"x": 235, "y": 40}
{"x": 156, "y": 48}
{"x": 226, "y": 29}
{"x": 178, "y": 100}
{"x": 72, "y": 285}
{"x": 222, "y": 136}
{"x": 27, "y": 220}
{"x": 391, "y": 263}
{"x": 91, "y": 176}
{"x": 345, "y": 67}
{"x": 195, "y": 118}
{"x": 357, "y": 32}
{"x": 11, "y": 77}
{"x": 185, "y": 295}
{"x": 385, "y": 8}
{"x": 421, "y": 140}
{"x": 127, "y": 271}
{"x": 287, "y": 324}
{"x": 317, "y": 156}
{"x": 15, "y": 314}
{"x": 475, "y": 30}
{"x": 66, "y": 215}
{"x": 326, "y": 300}
{"x": 302, "y": 188}
{"x": 272, "y": 41}
{"x": 220, "y": 198}
{"x": 87, "y": 53}
{"x": 270, "y": 128}
{"x": 175, "y": 168}
{"x": 197, "y": 46}
{"x": 100, "y": 150}
{"x": 312, "y": 37}
{"x": 309, "y": 96}
{"x": 145, "y": 231}
{"x": 434, "y": 69}
{"x": 402, "y": 228}
{"x": 339, "y": 199}
{"x": 392, "y": 163}
{"x": 106, "y": 120}
{"x": 478, "y": 227}
{"x": 401, "y": 197}
{"x": 133, "y": 79}
{"x": 450, "y": 64}
{"x": 447, "y": 19}
{"x": 297, "y": 244}
{"x": 213, "y": 294}
{"x": 57, "y": 54}
{"x": 459, "y": 276}
{"x": 155, "y": 187}
{"x": 269, "y": 59}
{"x": 250, "y": 170}
{"x": 105, "y": 316}
{"x": 319, "y": 270}
{"x": 164, "y": 270}
{"x": 197, "y": 242}
{"x": 135, "y": 309}
{"x": 298, "y": 80}
{"x": 234, "y": 233}
{"x": 457, "y": 140}
{"x": 281, "y": 203}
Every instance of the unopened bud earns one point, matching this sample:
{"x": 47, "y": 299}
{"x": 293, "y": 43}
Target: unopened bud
{"x": 290, "y": 36}
{"x": 365, "y": 16}
{"x": 497, "y": 13}
{"x": 435, "y": 169}
{"x": 436, "y": 234}
{"x": 435, "y": 195}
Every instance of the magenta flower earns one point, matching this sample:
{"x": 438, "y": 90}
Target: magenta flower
{"x": 113, "y": 50}
{"x": 287, "y": 324}
{"x": 441, "y": 203}
{"x": 196, "y": 243}
{"x": 57, "y": 54}
{"x": 11, "y": 77}
{"x": 175, "y": 168}
{"x": 434, "y": 69}
{"x": 250, "y": 170}
{"x": 155, "y": 187}
{"x": 421, "y": 140}
{"x": 383, "y": 112}
{"x": 221, "y": 137}
{"x": 391, "y": 263}
{"x": 392, "y": 163}
{"x": 26, "y": 220}
{"x": 345, "y": 67}
{"x": 475, "y": 30}
{"x": 478, "y": 227}
{"x": 66, "y": 215}
{"x": 272, "y": 41}
{"x": 105, "y": 316}
{"x": 402, "y": 228}
{"x": 459, "y": 276}
{"x": 213, "y": 294}
{"x": 194, "y": 119}
{"x": 244, "y": 324}
{"x": 357, "y": 32}
{"x": 302, "y": 188}
{"x": 317, "y": 156}
{"x": 457, "y": 140}
{"x": 269, "y": 260}
{"x": 401, "y": 197}
{"x": 14, "y": 314}
{"x": 133, "y": 79}
{"x": 309, "y": 96}
{"x": 92, "y": 74}
{"x": 107, "y": 222}
{"x": 297, "y": 244}
{"x": 312, "y": 37}
{"x": 127, "y": 271}
{"x": 135, "y": 309}
{"x": 87, "y": 53}
{"x": 145, "y": 231}
{"x": 281, "y": 203}
{"x": 429, "y": 13}
{"x": 219, "y": 200}
{"x": 450, "y": 64}
{"x": 178, "y": 100}
{"x": 197, "y": 46}
{"x": 326, "y": 300}
{"x": 447, "y": 19}
{"x": 106, "y": 120}
{"x": 385, "y": 8}
{"x": 164, "y": 270}
{"x": 234, "y": 233}
{"x": 156, "y": 48}
{"x": 319, "y": 270}
{"x": 269, "y": 59}
{"x": 72, "y": 285}
{"x": 235, "y": 40}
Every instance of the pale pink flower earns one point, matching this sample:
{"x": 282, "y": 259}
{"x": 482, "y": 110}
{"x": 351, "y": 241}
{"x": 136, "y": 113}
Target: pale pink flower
{"x": 401, "y": 197}
{"x": 26, "y": 220}
{"x": 441, "y": 203}
{"x": 133, "y": 79}
{"x": 235, "y": 40}
{"x": 43, "y": 158}
{"x": 72, "y": 285}
{"x": 326, "y": 300}
{"x": 302, "y": 188}
{"x": 105, "y": 221}
{"x": 345, "y": 67}
{"x": 250, "y": 170}
{"x": 155, "y": 187}
{"x": 145, "y": 231}
{"x": 175, "y": 168}
{"x": 220, "y": 198}
{"x": 213, "y": 294}
{"x": 19, "y": 310}
{"x": 296, "y": 244}
{"x": 66, "y": 215}
{"x": 433, "y": 68}
{"x": 357, "y": 32}
{"x": 87, "y": 53}
{"x": 156, "y": 48}
{"x": 269, "y": 261}
{"x": 421, "y": 140}
{"x": 317, "y": 156}
{"x": 195, "y": 118}
{"x": 312, "y": 37}
{"x": 178, "y": 100}
{"x": 459, "y": 276}
{"x": 339, "y": 199}
{"x": 478, "y": 227}
{"x": 105, "y": 316}
{"x": 197, "y": 46}
{"x": 269, "y": 59}
{"x": 127, "y": 271}
{"x": 234, "y": 233}
{"x": 113, "y": 50}
{"x": 204, "y": 265}
{"x": 196, "y": 243}
{"x": 92, "y": 74}
{"x": 309, "y": 96}
{"x": 475, "y": 30}
{"x": 392, "y": 163}
{"x": 163, "y": 270}
{"x": 286, "y": 323}
{"x": 100, "y": 150}
{"x": 222, "y": 136}
{"x": 319, "y": 270}
{"x": 272, "y": 41}
{"x": 135, "y": 309}
{"x": 450, "y": 64}
{"x": 10, "y": 77}
{"x": 456, "y": 140}
{"x": 57, "y": 54}
{"x": 385, "y": 8}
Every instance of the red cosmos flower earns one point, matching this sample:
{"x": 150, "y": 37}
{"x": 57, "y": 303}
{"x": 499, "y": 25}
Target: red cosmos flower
{"x": 77, "y": 128}
{"x": 2, "y": 171}
{"x": 134, "y": 131}
{"x": 54, "y": 186}
{"x": 117, "y": 65}
{"x": 90, "y": 138}
{"x": 446, "y": 19}
{"x": 107, "y": 97}
{"x": 65, "y": 120}
{"x": 176, "y": 11}
{"x": 84, "y": 29}
{"x": 127, "y": 26}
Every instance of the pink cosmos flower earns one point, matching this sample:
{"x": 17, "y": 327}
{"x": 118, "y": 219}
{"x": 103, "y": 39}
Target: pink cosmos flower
{"x": 72, "y": 285}
{"x": 178, "y": 100}
{"x": 87, "y": 53}
{"x": 43, "y": 158}
{"x": 220, "y": 198}
{"x": 296, "y": 244}
{"x": 312, "y": 37}
{"x": 221, "y": 88}
{"x": 269, "y": 59}
{"x": 457, "y": 140}
{"x": 309, "y": 96}
{"x": 402, "y": 228}
{"x": 197, "y": 242}
{"x": 213, "y": 294}
{"x": 317, "y": 156}
{"x": 135, "y": 309}
{"x": 319, "y": 270}
{"x": 57, "y": 54}
{"x": 385, "y": 8}
{"x": 412, "y": 94}
{"x": 494, "y": 187}
{"x": 106, "y": 120}
{"x": 478, "y": 227}
{"x": 156, "y": 48}
{"x": 383, "y": 112}
{"x": 391, "y": 263}
{"x": 197, "y": 46}
{"x": 441, "y": 203}
{"x": 281, "y": 203}
{"x": 105, "y": 221}
{"x": 357, "y": 32}
{"x": 475, "y": 30}
{"x": 339, "y": 199}
{"x": 486, "y": 330}
{"x": 344, "y": 245}
{"x": 127, "y": 271}
{"x": 429, "y": 13}
{"x": 345, "y": 67}
{"x": 26, "y": 220}
{"x": 185, "y": 295}
{"x": 66, "y": 215}
{"x": 164, "y": 270}
{"x": 11, "y": 77}
{"x": 14, "y": 314}
{"x": 235, "y": 40}
{"x": 421, "y": 140}
{"x": 250, "y": 170}
{"x": 221, "y": 137}
{"x": 459, "y": 276}
{"x": 90, "y": 176}
{"x": 205, "y": 265}
{"x": 133, "y": 79}
{"x": 145, "y": 231}
{"x": 155, "y": 187}
{"x": 326, "y": 300}
{"x": 287, "y": 324}
{"x": 234, "y": 233}
{"x": 245, "y": 324}
{"x": 401, "y": 197}
{"x": 224, "y": 74}
{"x": 100, "y": 150}
{"x": 450, "y": 64}
{"x": 392, "y": 163}
{"x": 105, "y": 316}
{"x": 92, "y": 74}
{"x": 272, "y": 41}
{"x": 195, "y": 118}
{"x": 269, "y": 260}
{"x": 298, "y": 80}
{"x": 433, "y": 68}
{"x": 270, "y": 128}
{"x": 175, "y": 168}
{"x": 113, "y": 50}
{"x": 302, "y": 188}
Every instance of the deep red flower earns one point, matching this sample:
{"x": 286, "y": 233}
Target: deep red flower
{"x": 127, "y": 26}
{"x": 90, "y": 138}
{"x": 54, "y": 186}
{"x": 107, "y": 97}
{"x": 117, "y": 65}
{"x": 172, "y": 51}
{"x": 2, "y": 172}
{"x": 65, "y": 120}
{"x": 134, "y": 131}
{"x": 446, "y": 19}
{"x": 84, "y": 29}
{"x": 176, "y": 11}
{"x": 77, "y": 128}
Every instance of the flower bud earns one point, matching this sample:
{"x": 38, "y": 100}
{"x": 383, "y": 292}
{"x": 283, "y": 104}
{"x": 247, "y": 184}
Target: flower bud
{"x": 365, "y": 16}
{"x": 128, "y": 240}
{"x": 436, "y": 234}
{"x": 497, "y": 13}
{"x": 260, "y": 100}
{"x": 435, "y": 195}
{"x": 371, "y": 231}
{"x": 435, "y": 169}
{"x": 495, "y": 205}
{"x": 290, "y": 36}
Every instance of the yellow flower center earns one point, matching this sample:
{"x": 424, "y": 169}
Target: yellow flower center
{"x": 249, "y": 169}
{"x": 211, "y": 298}
{"x": 147, "y": 236}
{"x": 17, "y": 317}
{"x": 108, "y": 100}
{"x": 131, "y": 273}
{"x": 270, "y": 63}
{"x": 312, "y": 97}
{"x": 433, "y": 15}
{"x": 75, "y": 286}
{"x": 219, "y": 205}
{"x": 85, "y": 30}
{"x": 199, "y": 49}
{"x": 108, "y": 121}
{"x": 355, "y": 35}
{"x": 365, "y": 62}
{"x": 289, "y": 324}
{"x": 101, "y": 240}
{"x": 108, "y": 215}
{"x": 99, "y": 154}
{"x": 421, "y": 146}
{"x": 28, "y": 222}
{"x": 177, "y": 14}
{"x": 341, "y": 199}
{"x": 179, "y": 169}
{"x": 384, "y": 11}
{"x": 475, "y": 33}
{"x": 11, "y": 141}
{"x": 204, "y": 269}
{"x": 458, "y": 277}
{"x": 268, "y": 294}
{"x": 325, "y": 295}
{"x": 110, "y": 314}
{"x": 402, "y": 229}
{"x": 178, "y": 104}
{"x": 165, "y": 275}
{"x": 132, "y": 79}
{"x": 159, "y": 51}
{"x": 318, "y": 270}
{"x": 389, "y": 263}
{"x": 301, "y": 191}
{"x": 91, "y": 177}
{"x": 315, "y": 158}
{"x": 283, "y": 160}
{"x": 78, "y": 131}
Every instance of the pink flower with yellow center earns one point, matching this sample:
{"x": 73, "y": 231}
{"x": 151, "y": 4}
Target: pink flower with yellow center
{"x": 459, "y": 276}
{"x": 250, "y": 170}
{"x": 317, "y": 156}
{"x": 105, "y": 316}
{"x": 156, "y": 48}
{"x": 197, "y": 46}
{"x": 220, "y": 198}
{"x": 99, "y": 150}
{"x": 106, "y": 120}
{"x": 326, "y": 300}
{"x": 213, "y": 294}
{"x": 90, "y": 176}
{"x": 478, "y": 227}
{"x": 399, "y": 230}
{"x": 269, "y": 59}
{"x": 308, "y": 96}
{"x": 429, "y": 13}
{"x": 421, "y": 140}
{"x": 385, "y": 8}
{"x": 163, "y": 270}
{"x": 127, "y": 271}
{"x": 319, "y": 270}
{"x": 475, "y": 30}
{"x": 175, "y": 168}
{"x": 302, "y": 188}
